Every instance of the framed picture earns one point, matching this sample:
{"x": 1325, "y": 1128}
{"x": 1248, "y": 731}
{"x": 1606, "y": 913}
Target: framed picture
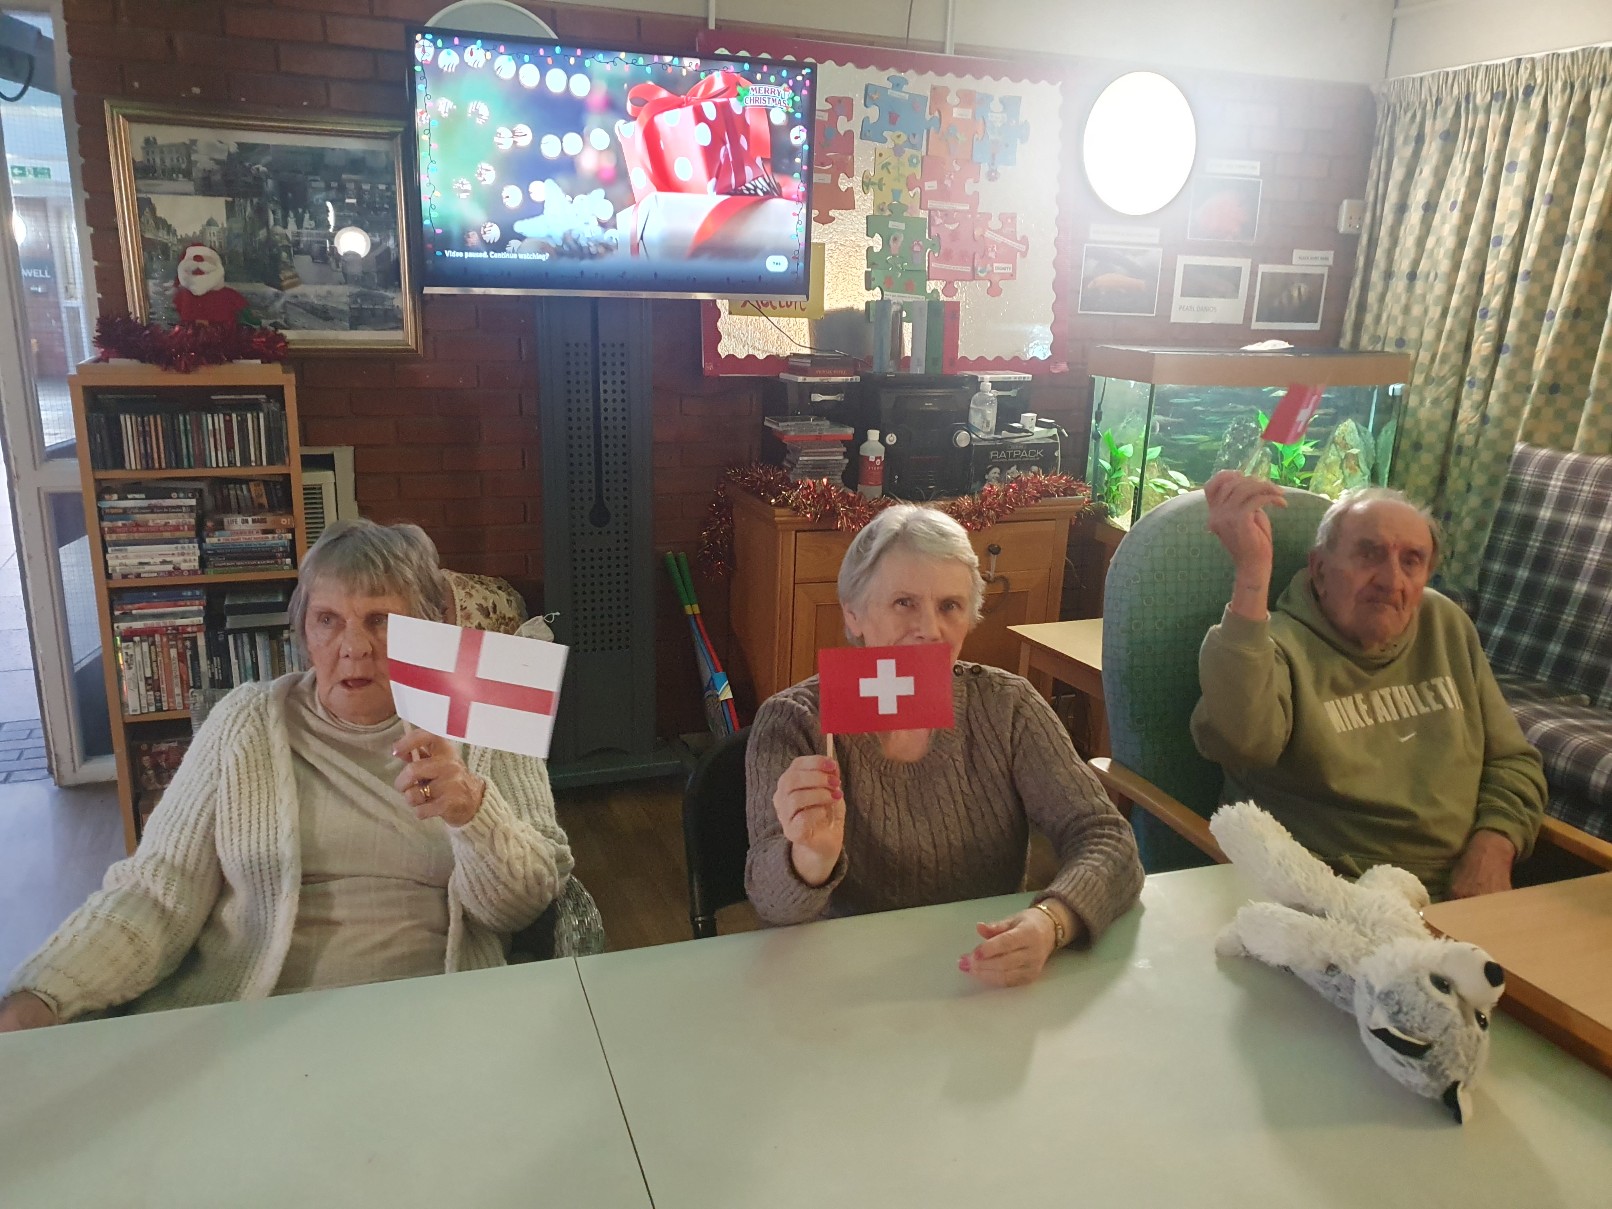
{"x": 1288, "y": 298}
{"x": 1209, "y": 289}
{"x": 1225, "y": 209}
{"x": 1120, "y": 279}
{"x": 306, "y": 213}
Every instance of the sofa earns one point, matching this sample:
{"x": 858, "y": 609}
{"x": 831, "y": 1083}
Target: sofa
{"x": 1543, "y": 607}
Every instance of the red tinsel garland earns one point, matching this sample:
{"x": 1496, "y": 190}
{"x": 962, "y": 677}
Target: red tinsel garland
{"x": 185, "y": 346}
{"x": 824, "y": 499}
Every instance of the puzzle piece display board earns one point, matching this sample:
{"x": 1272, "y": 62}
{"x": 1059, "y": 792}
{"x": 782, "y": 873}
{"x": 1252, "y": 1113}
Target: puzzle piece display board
{"x": 933, "y": 176}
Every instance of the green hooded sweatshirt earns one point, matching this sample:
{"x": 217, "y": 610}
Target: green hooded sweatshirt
{"x": 1393, "y": 757}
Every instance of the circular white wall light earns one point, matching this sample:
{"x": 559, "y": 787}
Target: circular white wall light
{"x": 492, "y": 17}
{"x": 1139, "y": 144}
{"x": 19, "y": 229}
{"x": 352, "y": 241}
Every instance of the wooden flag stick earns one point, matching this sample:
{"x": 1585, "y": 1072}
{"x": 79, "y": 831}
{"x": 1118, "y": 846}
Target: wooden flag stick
{"x": 828, "y": 743}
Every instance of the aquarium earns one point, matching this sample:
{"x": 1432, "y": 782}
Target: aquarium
{"x": 1164, "y": 420}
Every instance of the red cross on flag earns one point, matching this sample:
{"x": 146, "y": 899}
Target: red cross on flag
{"x": 493, "y": 690}
{"x": 864, "y": 689}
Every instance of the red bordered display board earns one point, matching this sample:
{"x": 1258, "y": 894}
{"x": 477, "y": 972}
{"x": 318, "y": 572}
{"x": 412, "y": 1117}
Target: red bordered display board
{"x": 933, "y": 175}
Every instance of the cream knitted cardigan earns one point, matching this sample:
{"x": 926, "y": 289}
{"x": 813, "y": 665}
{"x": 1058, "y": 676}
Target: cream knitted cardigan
{"x": 203, "y": 910}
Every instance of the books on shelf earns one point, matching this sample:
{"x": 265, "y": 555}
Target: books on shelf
{"x": 170, "y": 640}
{"x": 257, "y": 608}
{"x": 183, "y": 527}
{"x": 249, "y": 527}
{"x": 254, "y": 643}
{"x": 160, "y": 637}
{"x": 244, "y": 542}
{"x": 148, "y": 431}
{"x": 149, "y": 530}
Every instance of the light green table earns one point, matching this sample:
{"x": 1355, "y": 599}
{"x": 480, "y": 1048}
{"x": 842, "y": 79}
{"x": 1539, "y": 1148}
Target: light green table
{"x": 483, "y": 1089}
{"x": 849, "y": 1063}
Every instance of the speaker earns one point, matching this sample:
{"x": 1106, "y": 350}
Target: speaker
{"x": 594, "y": 373}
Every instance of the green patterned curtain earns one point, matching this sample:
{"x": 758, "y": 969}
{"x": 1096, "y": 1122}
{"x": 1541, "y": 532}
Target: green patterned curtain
{"x": 1487, "y": 255}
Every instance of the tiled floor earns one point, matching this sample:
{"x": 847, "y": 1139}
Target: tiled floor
{"x": 22, "y": 752}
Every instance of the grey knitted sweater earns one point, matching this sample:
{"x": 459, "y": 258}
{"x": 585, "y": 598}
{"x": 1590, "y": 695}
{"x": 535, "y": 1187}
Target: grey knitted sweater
{"x": 953, "y": 825}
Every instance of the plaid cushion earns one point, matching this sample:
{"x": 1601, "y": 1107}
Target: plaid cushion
{"x": 1586, "y": 816}
{"x": 1575, "y": 741}
{"x": 1519, "y": 690}
{"x": 1545, "y": 587}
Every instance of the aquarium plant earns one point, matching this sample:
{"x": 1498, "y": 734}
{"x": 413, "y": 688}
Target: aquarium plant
{"x": 1115, "y": 462}
{"x": 1288, "y": 461}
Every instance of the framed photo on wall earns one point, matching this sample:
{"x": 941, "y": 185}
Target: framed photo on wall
{"x": 1225, "y": 209}
{"x": 1288, "y": 298}
{"x": 1210, "y": 289}
{"x": 1120, "y": 279}
{"x": 306, "y": 212}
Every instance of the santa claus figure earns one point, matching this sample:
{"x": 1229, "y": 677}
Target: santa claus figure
{"x": 200, "y": 295}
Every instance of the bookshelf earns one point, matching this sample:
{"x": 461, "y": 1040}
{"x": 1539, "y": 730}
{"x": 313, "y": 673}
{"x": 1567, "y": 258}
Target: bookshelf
{"x": 193, "y": 503}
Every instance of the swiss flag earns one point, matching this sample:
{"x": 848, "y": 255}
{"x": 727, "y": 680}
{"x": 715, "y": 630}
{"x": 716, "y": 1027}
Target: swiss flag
{"x": 1293, "y": 415}
{"x": 493, "y": 690}
{"x": 864, "y": 689}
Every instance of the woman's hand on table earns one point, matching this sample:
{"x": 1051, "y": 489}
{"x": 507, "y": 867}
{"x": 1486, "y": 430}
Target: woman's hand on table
{"x": 1012, "y": 951}
{"x": 435, "y": 780}
{"x": 811, "y": 810}
{"x": 24, "y": 1009}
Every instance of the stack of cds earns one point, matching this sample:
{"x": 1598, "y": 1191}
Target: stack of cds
{"x": 814, "y": 448}
{"x": 150, "y": 530}
{"x": 249, "y": 541}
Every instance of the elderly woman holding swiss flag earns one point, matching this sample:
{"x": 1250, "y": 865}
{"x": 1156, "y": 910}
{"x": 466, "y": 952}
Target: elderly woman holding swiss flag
{"x": 942, "y": 768}
{"x": 311, "y": 838}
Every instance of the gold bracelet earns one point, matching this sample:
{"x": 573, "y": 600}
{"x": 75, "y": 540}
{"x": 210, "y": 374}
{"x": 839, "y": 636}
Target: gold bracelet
{"x": 1058, "y": 933}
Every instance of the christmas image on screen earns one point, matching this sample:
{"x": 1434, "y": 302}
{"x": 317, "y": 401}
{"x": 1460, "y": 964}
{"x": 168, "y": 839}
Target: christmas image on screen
{"x": 557, "y": 168}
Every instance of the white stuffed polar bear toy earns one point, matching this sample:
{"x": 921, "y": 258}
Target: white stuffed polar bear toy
{"x": 1422, "y": 1004}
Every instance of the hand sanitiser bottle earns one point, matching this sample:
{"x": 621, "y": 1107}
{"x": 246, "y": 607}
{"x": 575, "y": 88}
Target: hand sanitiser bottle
{"x": 982, "y": 409}
{"x": 870, "y": 466}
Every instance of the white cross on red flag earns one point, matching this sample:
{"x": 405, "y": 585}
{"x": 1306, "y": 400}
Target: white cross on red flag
{"x": 863, "y": 689}
{"x": 1292, "y": 415}
{"x": 493, "y": 690}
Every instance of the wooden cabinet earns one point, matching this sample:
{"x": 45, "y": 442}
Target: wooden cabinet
{"x": 785, "y": 607}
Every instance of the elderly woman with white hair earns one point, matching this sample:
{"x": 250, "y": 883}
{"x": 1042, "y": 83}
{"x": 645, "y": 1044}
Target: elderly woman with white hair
{"x": 311, "y": 838}
{"x": 907, "y": 818}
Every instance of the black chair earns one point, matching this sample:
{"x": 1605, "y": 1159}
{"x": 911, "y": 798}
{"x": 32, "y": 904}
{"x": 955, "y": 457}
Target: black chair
{"x": 715, "y": 837}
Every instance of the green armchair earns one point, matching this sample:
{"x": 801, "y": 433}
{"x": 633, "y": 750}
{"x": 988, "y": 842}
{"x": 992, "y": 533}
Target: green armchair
{"x": 1168, "y": 583}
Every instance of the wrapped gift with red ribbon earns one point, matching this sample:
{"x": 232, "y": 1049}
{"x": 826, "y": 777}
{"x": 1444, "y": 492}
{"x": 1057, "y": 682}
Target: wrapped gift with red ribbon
{"x": 680, "y": 226}
{"x": 707, "y": 141}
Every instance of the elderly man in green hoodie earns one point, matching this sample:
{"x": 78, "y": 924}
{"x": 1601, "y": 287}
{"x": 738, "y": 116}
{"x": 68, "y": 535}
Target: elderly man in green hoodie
{"x": 1362, "y": 712}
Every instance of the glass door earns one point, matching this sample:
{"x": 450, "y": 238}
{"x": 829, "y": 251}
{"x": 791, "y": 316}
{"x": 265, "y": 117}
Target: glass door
{"x": 47, "y": 314}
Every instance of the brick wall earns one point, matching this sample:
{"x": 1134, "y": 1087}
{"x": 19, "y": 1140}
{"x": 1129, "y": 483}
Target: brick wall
{"x": 450, "y": 439}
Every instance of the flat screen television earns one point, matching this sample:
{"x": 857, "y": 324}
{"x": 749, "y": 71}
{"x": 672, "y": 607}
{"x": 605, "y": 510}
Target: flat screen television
{"x": 546, "y": 168}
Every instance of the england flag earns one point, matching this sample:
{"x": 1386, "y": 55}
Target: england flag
{"x": 493, "y": 690}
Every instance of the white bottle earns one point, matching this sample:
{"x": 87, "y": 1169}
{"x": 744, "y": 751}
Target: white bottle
{"x": 982, "y": 409}
{"x": 870, "y": 466}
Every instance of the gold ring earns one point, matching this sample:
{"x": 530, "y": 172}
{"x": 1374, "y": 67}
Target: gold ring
{"x": 425, "y": 791}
